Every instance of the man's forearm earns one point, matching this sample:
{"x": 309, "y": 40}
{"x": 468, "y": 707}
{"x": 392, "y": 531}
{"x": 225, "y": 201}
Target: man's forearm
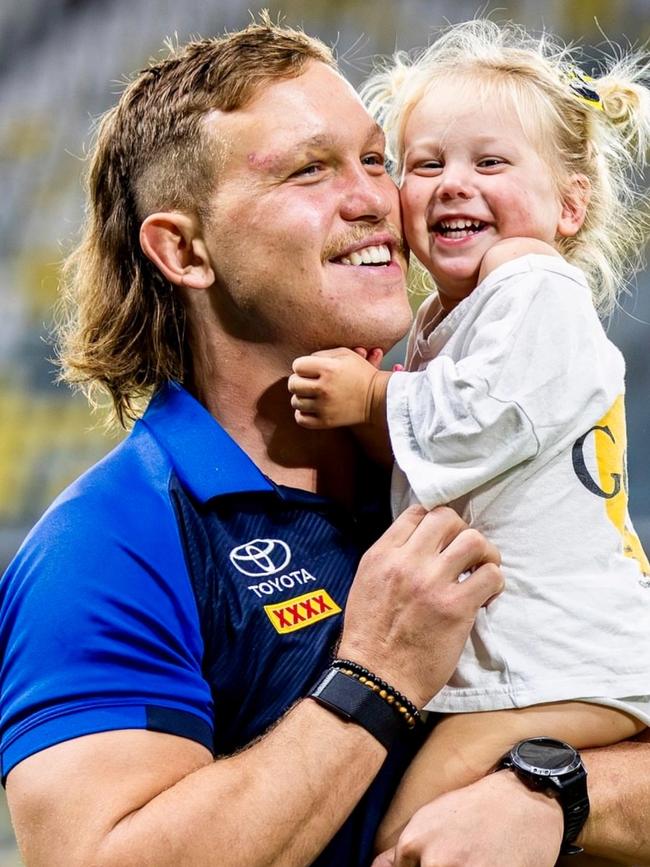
{"x": 619, "y": 790}
{"x": 276, "y": 803}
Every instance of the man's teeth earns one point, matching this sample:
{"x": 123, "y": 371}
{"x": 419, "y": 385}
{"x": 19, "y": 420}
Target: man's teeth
{"x": 458, "y": 228}
{"x": 379, "y": 255}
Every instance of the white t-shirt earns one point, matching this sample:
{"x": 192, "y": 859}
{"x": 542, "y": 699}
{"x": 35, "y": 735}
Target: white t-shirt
{"x": 516, "y": 419}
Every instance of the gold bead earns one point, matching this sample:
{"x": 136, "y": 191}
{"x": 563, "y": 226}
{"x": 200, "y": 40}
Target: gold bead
{"x": 362, "y": 679}
{"x": 390, "y": 699}
{"x": 383, "y": 693}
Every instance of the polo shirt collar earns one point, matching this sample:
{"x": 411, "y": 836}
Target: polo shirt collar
{"x": 207, "y": 461}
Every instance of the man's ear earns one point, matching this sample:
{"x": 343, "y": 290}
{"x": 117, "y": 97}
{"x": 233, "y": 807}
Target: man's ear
{"x": 173, "y": 243}
{"x": 575, "y": 199}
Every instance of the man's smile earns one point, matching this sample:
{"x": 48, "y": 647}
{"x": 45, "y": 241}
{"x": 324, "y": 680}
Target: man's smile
{"x": 372, "y": 255}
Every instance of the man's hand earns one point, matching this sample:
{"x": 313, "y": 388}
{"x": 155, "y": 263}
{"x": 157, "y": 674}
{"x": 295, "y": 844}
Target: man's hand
{"x": 512, "y": 248}
{"x": 142, "y": 797}
{"x": 337, "y": 388}
{"x": 494, "y": 821}
{"x": 408, "y": 616}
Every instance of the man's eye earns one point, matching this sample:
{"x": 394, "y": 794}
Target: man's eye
{"x": 374, "y": 160}
{"x": 307, "y": 171}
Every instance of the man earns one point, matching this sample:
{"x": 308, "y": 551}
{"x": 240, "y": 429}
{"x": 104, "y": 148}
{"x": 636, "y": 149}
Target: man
{"x": 186, "y": 593}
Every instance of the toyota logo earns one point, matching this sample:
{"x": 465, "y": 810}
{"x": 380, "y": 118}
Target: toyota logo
{"x": 260, "y": 557}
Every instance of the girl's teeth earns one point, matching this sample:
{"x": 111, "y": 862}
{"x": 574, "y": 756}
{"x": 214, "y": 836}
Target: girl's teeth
{"x": 460, "y": 228}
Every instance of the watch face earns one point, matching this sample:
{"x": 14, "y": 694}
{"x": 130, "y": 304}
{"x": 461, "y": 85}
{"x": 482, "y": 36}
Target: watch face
{"x": 545, "y": 755}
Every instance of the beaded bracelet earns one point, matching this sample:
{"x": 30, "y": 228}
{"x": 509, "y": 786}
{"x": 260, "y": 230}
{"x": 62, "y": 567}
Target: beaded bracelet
{"x": 405, "y": 708}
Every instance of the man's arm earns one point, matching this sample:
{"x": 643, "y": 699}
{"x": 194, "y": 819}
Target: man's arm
{"x": 462, "y": 748}
{"x": 619, "y": 791}
{"x": 144, "y": 798}
{"x": 497, "y": 820}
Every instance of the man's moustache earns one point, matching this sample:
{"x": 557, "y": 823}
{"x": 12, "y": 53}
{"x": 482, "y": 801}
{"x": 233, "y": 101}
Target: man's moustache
{"x": 356, "y": 235}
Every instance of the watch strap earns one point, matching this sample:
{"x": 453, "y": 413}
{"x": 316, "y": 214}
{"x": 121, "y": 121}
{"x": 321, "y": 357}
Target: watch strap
{"x": 574, "y": 801}
{"x": 354, "y": 702}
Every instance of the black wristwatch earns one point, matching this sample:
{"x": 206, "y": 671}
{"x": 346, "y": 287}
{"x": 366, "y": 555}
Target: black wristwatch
{"x": 552, "y": 766}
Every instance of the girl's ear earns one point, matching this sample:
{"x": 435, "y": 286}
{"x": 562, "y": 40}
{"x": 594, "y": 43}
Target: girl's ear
{"x": 575, "y": 200}
{"x": 173, "y": 243}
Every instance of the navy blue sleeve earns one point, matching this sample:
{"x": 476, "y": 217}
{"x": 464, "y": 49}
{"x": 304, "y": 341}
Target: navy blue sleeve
{"x": 98, "y": 622}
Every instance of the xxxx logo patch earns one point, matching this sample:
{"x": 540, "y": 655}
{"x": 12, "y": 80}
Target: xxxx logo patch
{"x": 301, "y": 611}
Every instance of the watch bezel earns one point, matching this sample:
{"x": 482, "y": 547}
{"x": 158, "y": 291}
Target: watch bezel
{"x": 561, "y": 771}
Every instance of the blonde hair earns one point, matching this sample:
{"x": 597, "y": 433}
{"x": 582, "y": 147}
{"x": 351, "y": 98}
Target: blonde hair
{"x": 121, "y": 325}
{"x": 606, "y": 142}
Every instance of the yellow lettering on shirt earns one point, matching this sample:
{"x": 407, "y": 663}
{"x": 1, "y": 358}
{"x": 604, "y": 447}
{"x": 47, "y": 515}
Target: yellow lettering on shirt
{"x": 610, "y": 438}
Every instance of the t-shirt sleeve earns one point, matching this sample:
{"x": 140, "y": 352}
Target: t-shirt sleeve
{"x": 98, "y": 626}
{"x": 534, "y": 366}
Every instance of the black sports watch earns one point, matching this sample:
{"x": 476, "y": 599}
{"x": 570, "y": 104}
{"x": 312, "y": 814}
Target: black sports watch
{"x": 552, "y": 766}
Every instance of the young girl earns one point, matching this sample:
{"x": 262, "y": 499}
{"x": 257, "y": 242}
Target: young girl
{"x": 512, "y": 407}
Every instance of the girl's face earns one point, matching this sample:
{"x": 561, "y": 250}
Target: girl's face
{"x": 471, "y": 178}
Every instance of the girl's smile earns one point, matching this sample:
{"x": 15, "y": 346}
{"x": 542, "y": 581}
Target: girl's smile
{"x": 473, "y": 176}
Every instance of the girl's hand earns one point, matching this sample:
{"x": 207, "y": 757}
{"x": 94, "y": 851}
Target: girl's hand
{"x": 372, "y": 356}
{"x": 338, "y": 388}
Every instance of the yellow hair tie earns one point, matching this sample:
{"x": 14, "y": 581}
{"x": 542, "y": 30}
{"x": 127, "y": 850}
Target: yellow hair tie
{"x": 582, "y": 87}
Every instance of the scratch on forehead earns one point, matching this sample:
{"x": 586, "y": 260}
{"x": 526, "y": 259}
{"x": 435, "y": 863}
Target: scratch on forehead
{"x": 266, "y": 162}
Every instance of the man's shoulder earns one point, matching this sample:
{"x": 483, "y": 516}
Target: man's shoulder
{"x": 134, "y": 474}
{"x": 122, "y": 504}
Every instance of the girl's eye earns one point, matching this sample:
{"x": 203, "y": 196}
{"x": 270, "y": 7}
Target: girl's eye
{"x": 426, "y": 166}
{"x": 490, "y": 162}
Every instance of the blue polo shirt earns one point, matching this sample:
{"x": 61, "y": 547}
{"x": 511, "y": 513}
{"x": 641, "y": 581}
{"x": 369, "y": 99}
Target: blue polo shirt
{"x": 175, "y": 588}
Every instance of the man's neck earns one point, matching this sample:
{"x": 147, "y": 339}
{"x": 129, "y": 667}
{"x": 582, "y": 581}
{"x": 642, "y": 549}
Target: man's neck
{"x": 252, "y": 403}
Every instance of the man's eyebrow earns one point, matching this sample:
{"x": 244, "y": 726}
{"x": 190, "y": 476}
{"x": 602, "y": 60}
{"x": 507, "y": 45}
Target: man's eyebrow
{"x": 376, "y": 130}
{"x": 276, "y": 161}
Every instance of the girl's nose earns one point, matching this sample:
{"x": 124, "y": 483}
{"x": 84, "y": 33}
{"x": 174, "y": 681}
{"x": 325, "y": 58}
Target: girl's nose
{"x": 455, "y": 183}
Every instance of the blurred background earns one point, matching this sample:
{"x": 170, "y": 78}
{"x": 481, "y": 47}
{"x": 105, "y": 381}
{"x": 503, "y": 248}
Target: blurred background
{"x": 61, "y": 64}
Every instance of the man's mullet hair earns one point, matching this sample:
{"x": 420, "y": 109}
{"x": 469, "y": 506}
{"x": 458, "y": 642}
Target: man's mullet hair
{"x": 120, "y": 324}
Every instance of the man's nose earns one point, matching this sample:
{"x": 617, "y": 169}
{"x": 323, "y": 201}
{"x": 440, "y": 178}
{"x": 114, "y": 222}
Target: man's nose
{"x": 368, "y": 197}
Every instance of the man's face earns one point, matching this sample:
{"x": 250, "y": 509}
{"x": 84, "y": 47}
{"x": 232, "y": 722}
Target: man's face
{"x": 304, "y": 234}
